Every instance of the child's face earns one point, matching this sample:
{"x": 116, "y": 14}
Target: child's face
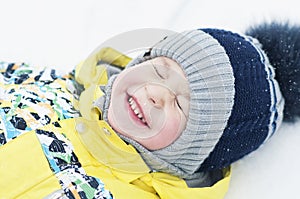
{"x": 150, "y": 103}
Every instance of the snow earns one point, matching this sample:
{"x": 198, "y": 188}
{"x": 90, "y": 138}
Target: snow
{"x": 62, "y": 33}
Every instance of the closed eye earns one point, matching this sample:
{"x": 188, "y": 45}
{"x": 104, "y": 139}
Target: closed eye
{"x": 178, "y": 104}
{"x": 161, "y": 71}
{"x": 182, "y": 104}
{"x": 181, "y": 109}
{"x": 157, "y": 72}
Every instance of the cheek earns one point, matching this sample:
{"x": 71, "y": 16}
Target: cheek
{"x": 168, "y": 133}
{"x": 171, "y": 128}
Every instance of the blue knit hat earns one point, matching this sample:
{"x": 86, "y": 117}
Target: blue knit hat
{"x": 235, "y": 102}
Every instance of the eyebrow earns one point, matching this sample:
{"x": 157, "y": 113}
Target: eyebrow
{"x": 166, "y": 63}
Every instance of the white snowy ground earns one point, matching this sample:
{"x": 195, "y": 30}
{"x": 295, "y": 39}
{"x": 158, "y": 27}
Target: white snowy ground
{"x": 60, "y": 33}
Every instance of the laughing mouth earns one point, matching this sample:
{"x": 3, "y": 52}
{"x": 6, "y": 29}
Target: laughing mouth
{"x": 137, "y": 111}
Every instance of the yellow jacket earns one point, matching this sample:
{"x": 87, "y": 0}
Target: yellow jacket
{"x": 25, "y": 171}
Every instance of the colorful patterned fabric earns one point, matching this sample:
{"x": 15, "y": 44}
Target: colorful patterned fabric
{"x": 30, "y": 100}
{"x": 64, "y": 163}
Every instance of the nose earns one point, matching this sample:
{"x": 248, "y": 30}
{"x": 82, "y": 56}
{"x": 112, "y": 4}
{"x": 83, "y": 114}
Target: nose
{"x": 159, "y": 95}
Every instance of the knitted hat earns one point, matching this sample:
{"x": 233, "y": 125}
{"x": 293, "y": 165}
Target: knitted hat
{"x": 235, "y": 102}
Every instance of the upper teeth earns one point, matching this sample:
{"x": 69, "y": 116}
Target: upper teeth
{"x": 136, "y": 109}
